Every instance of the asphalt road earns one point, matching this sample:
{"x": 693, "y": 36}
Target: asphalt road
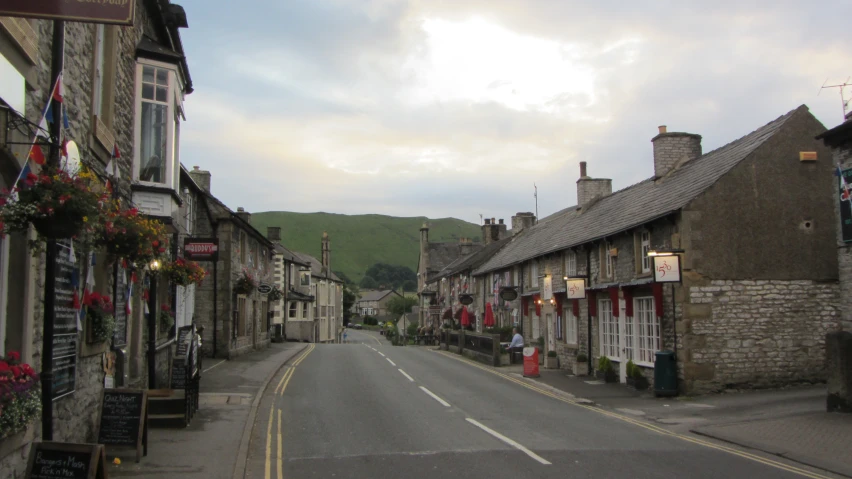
{"x": 367, "y": 410}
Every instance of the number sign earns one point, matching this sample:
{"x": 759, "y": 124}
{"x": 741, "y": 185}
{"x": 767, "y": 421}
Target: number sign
{"x": 666, "y": 269}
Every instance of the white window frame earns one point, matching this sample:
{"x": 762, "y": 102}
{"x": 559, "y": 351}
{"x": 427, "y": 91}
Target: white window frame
{"x": 647, "y": 330}
{"x": 175, "y": 105}
{"x": 570, "y": 335}
{"x": 190, "y": 213}
{"x": 534, "y": 274}
{"x": 293, "y": 310}
{"x": 570, "y": 263}
{"x": 100, "y": 66}
{"x": 305, "y": 311}
{"x": 645, "y": 247}
{"x": 608, "y": 264}
{"x": 608, "y": 330}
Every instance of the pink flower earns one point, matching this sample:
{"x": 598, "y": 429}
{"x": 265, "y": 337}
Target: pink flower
{"x": 14, "y": 355}
{"x": 4, "y": 366}
{"x": 17, "y": 371}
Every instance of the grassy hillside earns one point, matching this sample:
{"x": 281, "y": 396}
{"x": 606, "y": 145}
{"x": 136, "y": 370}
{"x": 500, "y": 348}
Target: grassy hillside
{"x": 358, "y": 242}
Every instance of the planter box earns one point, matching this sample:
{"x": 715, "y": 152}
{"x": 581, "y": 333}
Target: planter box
{"x": 551, "y": 363}
{"x": 581, "y": 369}
{"x": 504, "y": 360}
{"x": 609, "y": 376}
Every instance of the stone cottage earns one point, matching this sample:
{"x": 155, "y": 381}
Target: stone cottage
{"x": 758, "y": 293}
{"x": 117, "y": 80}
{"x": 235, "y": 322}
{"x": 324, "y": 322}
{"x": 374, "y": 302}
{"x": 839, "y": 340}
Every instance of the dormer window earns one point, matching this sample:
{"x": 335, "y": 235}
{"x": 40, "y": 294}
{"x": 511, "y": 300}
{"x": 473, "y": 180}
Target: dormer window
{"x": 159, "y": 109}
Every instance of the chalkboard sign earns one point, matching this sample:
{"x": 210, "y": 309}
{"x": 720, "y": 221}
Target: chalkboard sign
{"x": 123, "y": 419}
{"x": 54, "y": 460}
{"x": 119, "y": 335}
{"x": 179, "y": 374}
{"x": 184, "y": 334}
{"x": 65, "y": 368}
{"x": 64, "y": 325}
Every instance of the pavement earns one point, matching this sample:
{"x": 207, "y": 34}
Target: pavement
{"x": 213, "y": 444}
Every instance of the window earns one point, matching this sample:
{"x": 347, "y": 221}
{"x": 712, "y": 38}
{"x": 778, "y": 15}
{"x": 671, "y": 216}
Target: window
{"x": 536, "y": 324}
{"x": 292, "y": 274}
{"x": 607, "y": 262}
{"x": 648, "y": 329}
{"x": 293, "y": 310}
{"x": 156, "y": 121}
{"x": 190, "y": 214}
{"x": 323, "y": 311}
{"x": 252, "y": 260}
{"x": 516, "y": 277}
{"x": 104, "y": 81}
{"x": 241, "y": 316}
{"x": 534, "y": 275}
{"x": 608, "y": 329}
{"x": 264, "y": 315}
{"x": 570, "y": 325}
{"x": 305, "y": 311}
{"x": 570, "y": 263}
{"x": 644, "y": 249}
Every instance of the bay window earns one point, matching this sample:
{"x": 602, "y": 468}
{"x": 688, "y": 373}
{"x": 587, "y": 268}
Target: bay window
{"x": 159, "y": 111}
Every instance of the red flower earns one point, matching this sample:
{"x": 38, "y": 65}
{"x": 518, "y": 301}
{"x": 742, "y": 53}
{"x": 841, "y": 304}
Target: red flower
{"x": 165, "y": 307}
{"x": 17, "y": 371}
{"x": 4, "y": 366}
{"x": 28, "y": 370}
{"x": 14, "y": 355}
{"x": 161, "y": 250}
{"x": 155, "y": 243}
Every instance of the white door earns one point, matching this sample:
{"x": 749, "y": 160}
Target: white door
{"x": 625, "y": 332}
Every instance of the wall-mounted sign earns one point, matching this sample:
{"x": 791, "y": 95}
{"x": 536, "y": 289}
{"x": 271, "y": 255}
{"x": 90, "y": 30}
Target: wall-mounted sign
{"x": 575, "y": 288}
{"x": 264, "y": 288}
{"x": 465, "y": 299}
{"x": 666, "y": 268}
{"x": 508, "y": 294}
{"x": 118, "y": 12}
{"x": 201, "y": 249}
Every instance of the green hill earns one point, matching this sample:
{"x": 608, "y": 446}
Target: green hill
{"x": 360, "y": 241}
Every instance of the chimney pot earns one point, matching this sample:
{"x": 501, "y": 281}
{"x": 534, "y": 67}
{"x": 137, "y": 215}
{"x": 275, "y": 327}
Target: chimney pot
{"x": 487, "y": 221}
{"x": 501, "y": 221}
{"x": 672, "y": 149}
{"x": 240, "y": 209}
{"x": 196, "y": 167}
{"x": 662, "y": 128}
{"x": 583, "y": 169}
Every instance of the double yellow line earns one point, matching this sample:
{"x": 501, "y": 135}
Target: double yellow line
{"x": 646, "y": 425}
{"x": 279, "y": 391}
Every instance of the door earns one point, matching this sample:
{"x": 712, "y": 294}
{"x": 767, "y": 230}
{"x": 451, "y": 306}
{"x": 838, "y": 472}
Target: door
{"x": 551, "y": 333}
{"x": 625, "y": 332}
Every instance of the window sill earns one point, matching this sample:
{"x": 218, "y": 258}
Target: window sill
{"x": 157, "y": 188}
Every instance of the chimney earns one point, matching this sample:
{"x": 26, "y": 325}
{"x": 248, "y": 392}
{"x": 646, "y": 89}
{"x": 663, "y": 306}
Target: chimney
{"x": 200, "y": 177}
{"x": 244, "y": 215}
{"x": 501, "y": 230}
{"x": 326, "y": 253}
{"x": 589, "y": 189}
{"x": 423, "y": 267}
{"x": 491, "y": 231}
{"x": 673, "y": 149}
{"x": 273, "y": 233}
{"x": 465, "y": 246}
{"x": 522, "y": 221}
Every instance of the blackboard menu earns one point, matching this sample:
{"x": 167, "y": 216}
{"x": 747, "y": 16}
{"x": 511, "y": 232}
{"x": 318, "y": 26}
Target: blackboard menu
{"x": 53, "y": 460}
{"x": 64, "y": 326}
{"x": 184, "y": 334}
{"x": 119, "y": 336}
{"x": 178, "y": 374}
{"x": 122, "y": 417}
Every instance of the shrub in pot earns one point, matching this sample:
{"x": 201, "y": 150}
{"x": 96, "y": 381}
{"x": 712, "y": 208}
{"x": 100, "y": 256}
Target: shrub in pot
{"x": 552, "y": 360}
{"x": 581, "y": 365}
{"x": 605, "y": 370}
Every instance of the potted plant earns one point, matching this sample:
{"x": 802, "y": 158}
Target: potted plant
{"x": 184, "y": 272}
{"x": 166, "y": 319}
{"x": 99, "y": 310}
{"x": 57, "y": 204}
{"x": 635, "y": 378}
{"x": 245, "y": 284}
{"x": 552, "y": 360}
{"x": 275, "y": 294}
{"x": 605, "y": 370}
{"x": 581, "y": 365}
{"x": 20, "y": 395}
{"x": 125, "y": 233}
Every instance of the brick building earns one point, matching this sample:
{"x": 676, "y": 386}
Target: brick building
{"x": 759, "y": 287}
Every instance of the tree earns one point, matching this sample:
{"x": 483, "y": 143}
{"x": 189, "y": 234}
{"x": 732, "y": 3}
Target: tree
{"x": 346, "y": 279}
{"x": 409, "y": 285}
{"x": 369, "y": 283}
{"x": 399, "y": 305}
{"x": 349, "y": 299}
{"x": 388, "y": 276}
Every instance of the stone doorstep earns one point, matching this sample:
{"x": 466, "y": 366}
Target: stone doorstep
{"x": 230, "y": 399}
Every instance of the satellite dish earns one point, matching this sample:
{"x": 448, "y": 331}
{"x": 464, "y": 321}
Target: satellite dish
{"x": 72, "y": 161}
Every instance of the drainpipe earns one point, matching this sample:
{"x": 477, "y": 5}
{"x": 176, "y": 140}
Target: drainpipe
{"x": 588, "y": 308}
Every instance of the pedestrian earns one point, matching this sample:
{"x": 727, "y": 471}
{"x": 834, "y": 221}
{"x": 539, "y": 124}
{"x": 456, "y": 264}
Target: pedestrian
{"x": 344, "y": 335}
{"x": 517, "y": 344}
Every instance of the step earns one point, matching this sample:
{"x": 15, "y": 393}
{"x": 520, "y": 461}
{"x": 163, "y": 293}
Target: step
{"x": 166, "y": 405}
{"x": 166, "y": 421}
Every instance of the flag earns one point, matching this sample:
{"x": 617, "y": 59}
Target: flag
{"x": 846, "y": 194}
{"x": 36, "y": 154}
{"x": 128, "y": 300}
{"x": 55, "y": 95}
{"x": 89, "y": 288}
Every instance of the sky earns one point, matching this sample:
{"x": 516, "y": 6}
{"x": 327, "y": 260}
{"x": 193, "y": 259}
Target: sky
{"x": 462, "y": 108}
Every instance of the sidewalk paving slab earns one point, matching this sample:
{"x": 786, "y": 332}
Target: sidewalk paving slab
{"x": 210, "y": 446}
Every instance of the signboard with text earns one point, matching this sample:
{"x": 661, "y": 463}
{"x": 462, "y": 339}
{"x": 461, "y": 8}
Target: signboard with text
{"x": 201, "y": 249}
{"x": 118, "y": 12}
{"x": 64, "y": 327}
{"x": 666, "y": 268}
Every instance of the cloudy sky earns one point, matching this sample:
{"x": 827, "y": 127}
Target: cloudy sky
{"x": 459, "y": 107}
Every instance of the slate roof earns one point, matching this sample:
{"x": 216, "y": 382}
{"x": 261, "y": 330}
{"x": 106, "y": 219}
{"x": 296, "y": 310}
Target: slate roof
{"x": 472, "y": 260}
{"x": 375, "y": 295}
{"x": 442, "y": 255}
{"x": 288, "y": 255}
{"x": 316, "y": 267}
{"x": 633, "y": 206}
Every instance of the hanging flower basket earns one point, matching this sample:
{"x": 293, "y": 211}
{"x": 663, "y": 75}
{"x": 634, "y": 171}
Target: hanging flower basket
{"x": 275, "y": 294}
{"x": 20, "y": 395}
{"x": 100, "y": 313}
{"x": 245, "y": 284}
{"x": 128, "y": 234}
{"x": 167, "y": 320}
{"x": 184, "y": 272}
{"x": 57, "y": 204}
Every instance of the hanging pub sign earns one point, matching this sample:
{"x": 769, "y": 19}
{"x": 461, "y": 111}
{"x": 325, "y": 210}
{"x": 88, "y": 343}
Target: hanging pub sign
{"x": 547, "y": 292}
{"x": 465, "y": 299}
{"x": 508, "y": 293}
{"x": 264, "y": 288}
{"x": 666, "y": 268}
{"x": 575, "y": 288}
{"x": 845, "y": 205}
{"x": 117, "y": 12}
{"x": 201, "y": 249}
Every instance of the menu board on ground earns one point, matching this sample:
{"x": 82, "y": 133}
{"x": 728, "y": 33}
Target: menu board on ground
{"x": 119, "y": 336}
{"x": 54, "y": 460}
{"x": 123, "y": 419}
{"x": 183, "y": 336}
{"x": 179, "y": 379}
{"x": 64, "y": 325}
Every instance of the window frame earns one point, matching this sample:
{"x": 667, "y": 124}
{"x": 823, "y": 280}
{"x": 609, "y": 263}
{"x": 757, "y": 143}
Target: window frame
{"x": 241, "y": 316}
{"x": 607, "y": 268}
{"x": 293, "y": 310}
{"x": 644, "y": 248}
{"x": 571, "y": 330}
{"x": 174, "y": 104}
{"x": 608, "y": 334}
{"x": 570, "y": 266}
{"x": 645, "y": 321}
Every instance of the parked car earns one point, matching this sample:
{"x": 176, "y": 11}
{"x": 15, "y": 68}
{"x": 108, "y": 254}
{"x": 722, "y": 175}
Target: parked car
{"x": 357, "y": 326}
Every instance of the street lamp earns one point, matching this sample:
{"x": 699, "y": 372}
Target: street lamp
{"x": 153, "y": 270}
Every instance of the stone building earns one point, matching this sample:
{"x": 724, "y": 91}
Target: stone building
{"x": 116, "y": 81}
{"x": 759, "y": 289}
{"x": 839, "y": 341}
{"x": 374, "y": 303}
{"x": 324, "y": 322}
{"x": 234, "y": 322}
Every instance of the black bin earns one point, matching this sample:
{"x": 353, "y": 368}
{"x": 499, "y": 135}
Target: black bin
{"x": 665, "y": 374}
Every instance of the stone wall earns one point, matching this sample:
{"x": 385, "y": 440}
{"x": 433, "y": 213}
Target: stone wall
{"x": 843, "y": 157}
{"x": 756, "y": 333}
